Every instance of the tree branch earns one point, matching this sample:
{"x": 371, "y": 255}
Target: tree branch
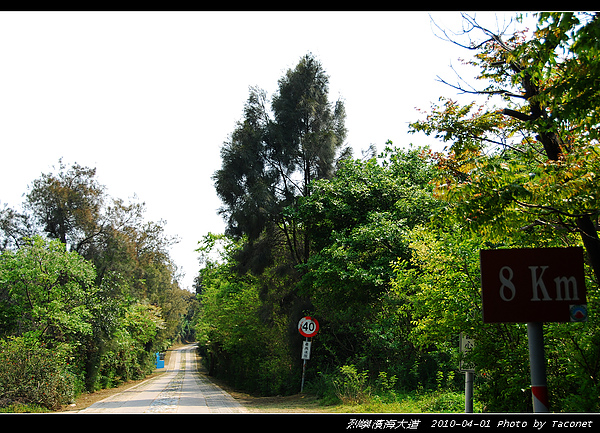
{"x": 552, "y": 209}
{"x": 481, "y": 92}
{"x": 518, "y": 114}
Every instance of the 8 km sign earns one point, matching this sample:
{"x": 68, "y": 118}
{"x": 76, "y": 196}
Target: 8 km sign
{"x": 533, "y": 285}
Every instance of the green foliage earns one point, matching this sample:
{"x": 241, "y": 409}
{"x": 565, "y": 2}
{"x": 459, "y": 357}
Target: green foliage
{"x": 358, "y": 223}
{"x": 32, "y": 373}
{"x": 354, "y": 387}
{"x": 23, "y": 408}
{"x": 416, "y": 402}
{"x": 125, "y": 356}
{"x": 566, "y": 49}
{"x": 532, "y": 164}
{"x": 67, "y": 204}
{"x": 267, "y": 166}
{"x": 237, "y": 345}
{"x": 443, "y": 402}
{"x": 357, "y": 391}
{"x": 385, "y": 252}
{"x": 572, "y": 351}
{"x": 442, "y": 283}
{"x": 351, "y": 386}
{"x": 272, "y": 158}
{"x": 519, "y": 176}
{"x": 46, "y": 291}
{"x": 88, "y": 304}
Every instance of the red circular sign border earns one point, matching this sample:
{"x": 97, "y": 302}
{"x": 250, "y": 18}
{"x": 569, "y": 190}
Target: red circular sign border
{"x": 316, "y": 322}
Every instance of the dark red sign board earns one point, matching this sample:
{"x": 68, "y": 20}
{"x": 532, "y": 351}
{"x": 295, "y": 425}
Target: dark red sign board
{"x": 533, "y": 285}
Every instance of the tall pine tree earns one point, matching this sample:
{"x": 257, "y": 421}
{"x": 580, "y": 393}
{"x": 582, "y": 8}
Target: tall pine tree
{"x": 271, "y": 158}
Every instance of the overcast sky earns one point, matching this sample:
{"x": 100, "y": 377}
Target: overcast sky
{"x": 148, "y": 98}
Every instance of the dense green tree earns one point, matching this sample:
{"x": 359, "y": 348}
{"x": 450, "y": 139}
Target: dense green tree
{"x": 272, "y": 158}
{"x": 127, "y": 352}
{"x": 237, "y": 345}
{"x": 439, "y": 286}
{"x": 307, "y": 131}
{"x": 46, "y": 292}
{"x": 268, "y": 164}
{"x": 68, "y": 205}
{"x": 440, "y": 290}
{"x": 33, "y": 373}
{"x": 358, "y": 223}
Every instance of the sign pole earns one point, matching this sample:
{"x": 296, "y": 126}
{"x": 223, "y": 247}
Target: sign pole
{"x": 469, "y": 391}
{"x": 537, "y": 361}
{"x": 303, "y": 371}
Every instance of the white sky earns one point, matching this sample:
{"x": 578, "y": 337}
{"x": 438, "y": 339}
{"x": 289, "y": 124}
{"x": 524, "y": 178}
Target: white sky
{"x": 148, "y": 98}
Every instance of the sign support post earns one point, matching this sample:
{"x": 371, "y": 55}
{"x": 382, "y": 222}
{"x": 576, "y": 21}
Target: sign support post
{"x": 303, "y": 371}
{"x": 537, "y": 361}
{"x": 304, "y": 358}
{"x": 469, "y": 391}
{"x": 308, "y": 327}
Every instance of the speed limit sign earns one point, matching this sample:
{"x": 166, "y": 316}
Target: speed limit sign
{"x": 308, "y": 326}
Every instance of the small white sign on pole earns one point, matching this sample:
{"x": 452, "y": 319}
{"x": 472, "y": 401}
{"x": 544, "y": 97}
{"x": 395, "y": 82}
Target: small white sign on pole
{"x": 306, "y": 349}
{"x": 466, "y": 344}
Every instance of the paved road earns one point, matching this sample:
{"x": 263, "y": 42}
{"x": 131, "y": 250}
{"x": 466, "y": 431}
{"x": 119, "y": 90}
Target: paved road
{"x": 180, "y": 390}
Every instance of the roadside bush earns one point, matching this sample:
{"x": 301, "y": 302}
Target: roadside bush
{"x": 351, "y": 386}
{"x": 34, "y": 374}
{"x": 127, "y": 355}
{"x": 348, "y": 385}
{"x": 441, "y": 402}
{"x": 8, "y": 407}
{"x": 385, "y": 387}
{"x": 321, "y": 385}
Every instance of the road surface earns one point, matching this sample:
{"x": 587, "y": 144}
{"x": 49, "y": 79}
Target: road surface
{"x": 180, "y": 390}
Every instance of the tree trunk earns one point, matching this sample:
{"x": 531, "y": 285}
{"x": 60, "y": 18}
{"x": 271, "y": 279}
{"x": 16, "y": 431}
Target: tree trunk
{"x": 589, "y": 236}
{"x": 587, "y": 228}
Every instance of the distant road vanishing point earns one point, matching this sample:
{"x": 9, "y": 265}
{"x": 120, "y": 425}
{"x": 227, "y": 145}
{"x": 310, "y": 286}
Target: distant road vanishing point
{"x": 181, "y": 390}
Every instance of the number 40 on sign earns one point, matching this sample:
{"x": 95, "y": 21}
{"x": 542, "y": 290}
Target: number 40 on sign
{"x": 308, "y": 327}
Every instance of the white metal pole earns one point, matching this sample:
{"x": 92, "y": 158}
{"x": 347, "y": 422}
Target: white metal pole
{"x": 537, "y": 361}
{"x": 303, "y": 368}
{"x": 303, "y": 371}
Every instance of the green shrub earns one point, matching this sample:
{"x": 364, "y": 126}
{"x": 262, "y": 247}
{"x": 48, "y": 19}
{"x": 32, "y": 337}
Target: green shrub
{"x": 30, "y": 373}
{"x": 440, "y": 402}
{"x": 351, "y": 386}
{"x": 385, "y": 387}
{"x": 6, "y": 407}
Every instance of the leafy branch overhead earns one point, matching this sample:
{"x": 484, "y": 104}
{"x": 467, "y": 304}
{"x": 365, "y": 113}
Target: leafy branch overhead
{"x": 533, "y": 162}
